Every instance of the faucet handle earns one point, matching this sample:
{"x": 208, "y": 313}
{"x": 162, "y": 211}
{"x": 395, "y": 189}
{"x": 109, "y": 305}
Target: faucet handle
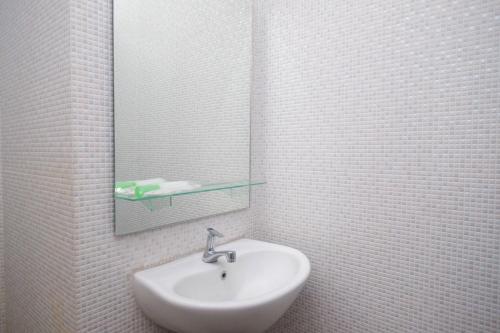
{"x": 214, "y": 233}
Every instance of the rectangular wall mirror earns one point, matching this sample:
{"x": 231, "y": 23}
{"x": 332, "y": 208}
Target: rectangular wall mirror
{"x": 182, "y": 80}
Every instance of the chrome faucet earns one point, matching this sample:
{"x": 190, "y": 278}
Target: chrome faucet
{"x": 210, "y": 255}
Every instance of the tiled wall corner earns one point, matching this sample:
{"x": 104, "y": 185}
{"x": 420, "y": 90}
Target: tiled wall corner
{"x": 381, "y": 154}
{"x": 37, "y": 162}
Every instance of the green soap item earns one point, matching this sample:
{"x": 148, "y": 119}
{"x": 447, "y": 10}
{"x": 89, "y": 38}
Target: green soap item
{"x": 140, "y": 190}
{"x": 126, "y": 184}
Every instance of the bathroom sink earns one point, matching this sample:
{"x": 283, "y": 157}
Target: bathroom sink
{"x": 247, "y": 296}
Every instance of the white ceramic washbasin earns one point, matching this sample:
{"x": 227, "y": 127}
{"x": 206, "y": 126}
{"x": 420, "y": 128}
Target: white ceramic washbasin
{"x": 248, "y": 296}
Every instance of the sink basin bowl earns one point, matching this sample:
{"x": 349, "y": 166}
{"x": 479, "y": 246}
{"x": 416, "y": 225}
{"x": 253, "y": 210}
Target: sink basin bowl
{"x": 248, "y": 296}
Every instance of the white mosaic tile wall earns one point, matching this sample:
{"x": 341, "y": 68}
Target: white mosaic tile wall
{"x": 2, "y": 251}
{"x": 382, "y": 160}
{"x": 375, "y": 123}
{"x": 37, "y": 163}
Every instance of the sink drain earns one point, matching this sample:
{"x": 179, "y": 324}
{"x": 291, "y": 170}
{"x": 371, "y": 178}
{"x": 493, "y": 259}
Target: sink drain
{"x": 223, "y": 275}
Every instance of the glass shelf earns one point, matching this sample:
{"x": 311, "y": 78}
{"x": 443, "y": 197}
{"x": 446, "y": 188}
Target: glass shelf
{"x": 154, "y": 202}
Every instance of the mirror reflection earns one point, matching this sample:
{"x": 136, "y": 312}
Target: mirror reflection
{"x": 182, "y": 75}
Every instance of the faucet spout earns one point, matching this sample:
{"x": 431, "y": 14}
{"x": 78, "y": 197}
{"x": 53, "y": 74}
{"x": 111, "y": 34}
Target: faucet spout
{"x": 210, "y": 255}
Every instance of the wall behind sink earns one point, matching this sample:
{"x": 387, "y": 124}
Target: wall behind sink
{"x": 380, "y": 150}
{"x": 106, "y": 262}
{"x": 382, "y": 160}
